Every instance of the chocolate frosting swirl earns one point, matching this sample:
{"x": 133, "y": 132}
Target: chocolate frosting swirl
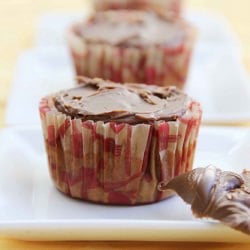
{"x": 96, "y": 99}
{"x": 217, "y": 194}
{"x": 133, "y": 28}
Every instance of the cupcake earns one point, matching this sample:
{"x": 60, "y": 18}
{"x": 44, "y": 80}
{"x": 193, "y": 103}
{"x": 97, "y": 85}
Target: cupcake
{"x": 114, "y": 143}
{"x": 171, "y": 9}
{"x": 132, "y": 46}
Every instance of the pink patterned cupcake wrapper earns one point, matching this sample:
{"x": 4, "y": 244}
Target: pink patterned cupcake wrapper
{"x": 152, "y": 65}
{"x": 117, "y": 163}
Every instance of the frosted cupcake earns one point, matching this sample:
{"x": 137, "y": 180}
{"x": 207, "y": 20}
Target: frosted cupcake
{"x": 171, "y": 9}
{"x": 132, "y": 46}
{"x": 114, "y": 143}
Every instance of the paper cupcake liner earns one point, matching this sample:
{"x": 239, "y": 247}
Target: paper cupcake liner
{"x": 117, "y": 163}
{"x": 151, "y": 65}
{"x": 171, "y": 8}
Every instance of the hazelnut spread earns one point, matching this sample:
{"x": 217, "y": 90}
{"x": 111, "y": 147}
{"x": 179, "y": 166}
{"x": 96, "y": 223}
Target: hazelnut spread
{"x": 132, "y": 28}
{"x": 96, "y": 99}
{"x": 217, "y": 194}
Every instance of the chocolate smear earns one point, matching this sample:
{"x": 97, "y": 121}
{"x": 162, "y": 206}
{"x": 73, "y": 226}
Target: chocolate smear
{"x": 213, "y": 193}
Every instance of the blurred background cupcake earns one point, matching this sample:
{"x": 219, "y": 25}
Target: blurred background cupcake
{"x": 132, "y": 46}
{"x": 169, "y": 8}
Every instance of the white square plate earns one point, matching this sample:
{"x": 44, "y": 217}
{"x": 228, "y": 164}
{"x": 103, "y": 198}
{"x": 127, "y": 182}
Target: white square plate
{"x": 32, "y": 209}
{"x": 217, "y": 77}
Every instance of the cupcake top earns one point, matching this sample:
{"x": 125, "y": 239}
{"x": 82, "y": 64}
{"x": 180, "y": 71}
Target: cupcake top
{"x": 99, "y": 100}
{"x": 132, "y": 28}
{"x": 168, "y": 8}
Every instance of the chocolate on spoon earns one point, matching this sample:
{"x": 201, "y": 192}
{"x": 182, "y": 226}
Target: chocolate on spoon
{"x": 216, "y": 194}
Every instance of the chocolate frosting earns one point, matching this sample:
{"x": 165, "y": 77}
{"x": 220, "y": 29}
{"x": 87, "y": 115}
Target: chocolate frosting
{"x": 220, "y": 195}
{"x": 132, "y": 28}
{"x": 96, "y": 99}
